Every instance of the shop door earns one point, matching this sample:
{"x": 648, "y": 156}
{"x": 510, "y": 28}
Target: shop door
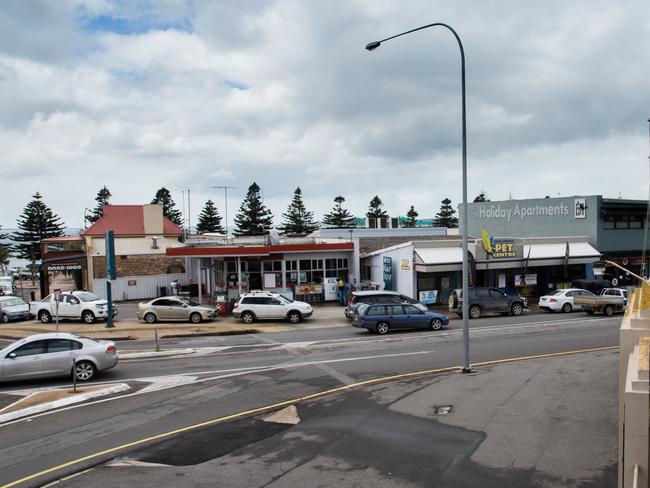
{"x": 254, "y": 281}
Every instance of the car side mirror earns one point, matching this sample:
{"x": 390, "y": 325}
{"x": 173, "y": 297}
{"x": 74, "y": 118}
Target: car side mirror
{"x": 184, "y": 305}
{"x": 12, "y": 355}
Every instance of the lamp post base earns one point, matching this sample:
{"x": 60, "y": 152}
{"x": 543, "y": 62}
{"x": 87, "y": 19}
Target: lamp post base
{"x": 466, "y": 370}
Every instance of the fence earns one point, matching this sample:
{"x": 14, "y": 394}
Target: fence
{"x": 139, "y": 287}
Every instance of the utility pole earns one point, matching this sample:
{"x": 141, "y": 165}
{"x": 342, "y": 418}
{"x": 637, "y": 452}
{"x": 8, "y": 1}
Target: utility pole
{"x": 225, "y": 189}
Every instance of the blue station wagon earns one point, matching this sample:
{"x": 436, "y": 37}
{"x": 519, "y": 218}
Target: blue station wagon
{"x": 381, "y": 318}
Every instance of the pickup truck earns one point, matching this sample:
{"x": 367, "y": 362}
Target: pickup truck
{"x": 609, "y": 301}
{"x": 72, "y": 305}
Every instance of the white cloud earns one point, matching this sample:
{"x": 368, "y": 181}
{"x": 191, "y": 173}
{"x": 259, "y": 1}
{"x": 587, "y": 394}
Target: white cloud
{"x": 282, "y": 92}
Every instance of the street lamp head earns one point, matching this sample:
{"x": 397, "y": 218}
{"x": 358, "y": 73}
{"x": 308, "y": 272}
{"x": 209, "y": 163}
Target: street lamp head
{"x": 371, "y": 46}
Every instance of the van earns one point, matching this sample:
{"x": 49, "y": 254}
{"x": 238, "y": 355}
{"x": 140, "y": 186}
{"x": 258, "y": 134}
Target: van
{"x": 7, "y": 285}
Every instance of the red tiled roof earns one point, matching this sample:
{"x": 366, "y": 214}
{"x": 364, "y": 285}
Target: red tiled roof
{"x": 127, "y": 220}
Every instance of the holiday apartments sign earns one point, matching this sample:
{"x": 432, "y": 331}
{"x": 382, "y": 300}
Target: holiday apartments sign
{"x": 521, "y": 212}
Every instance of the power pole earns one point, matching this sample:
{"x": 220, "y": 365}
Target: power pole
{"x": 225, "y": 189}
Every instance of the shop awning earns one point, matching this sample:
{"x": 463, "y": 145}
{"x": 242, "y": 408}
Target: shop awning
{"x": 436, "y": 259}
{"x": 553, "y": 254}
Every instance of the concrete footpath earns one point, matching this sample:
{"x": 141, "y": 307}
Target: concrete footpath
{"x": 548, "y": 422}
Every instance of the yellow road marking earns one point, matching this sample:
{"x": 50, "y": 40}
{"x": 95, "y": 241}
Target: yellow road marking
{"x": 293, "y": 401}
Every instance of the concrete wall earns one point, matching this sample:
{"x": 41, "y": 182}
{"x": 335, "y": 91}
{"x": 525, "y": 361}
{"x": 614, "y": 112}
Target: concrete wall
{"x": 403, "y": 279}
{"x": 537, "y": 217}
{"x": 125, "y": 246}
{"x": 634, "y": 400}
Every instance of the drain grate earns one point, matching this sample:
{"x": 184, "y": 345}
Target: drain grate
{"x": 442, "y": 409}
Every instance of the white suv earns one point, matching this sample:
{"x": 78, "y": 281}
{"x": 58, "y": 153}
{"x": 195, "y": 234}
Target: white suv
{"x": 252, "y": 306}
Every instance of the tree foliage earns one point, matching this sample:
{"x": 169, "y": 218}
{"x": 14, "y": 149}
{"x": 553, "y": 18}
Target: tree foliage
{"x": 446, "y": 216}
{"x": 481, "y": 197}
{"x": 5, "y": 249}
{"x": 297, "y": 219}
{"x": 253, "y": 217}
{"x": 209, "y": 220}
{"x": 164, "y": 198}
{"x": 103, "y": 197}
{"x": 375, "y": 209}
{"x": 339, "y": 217}
{"x": 411, "y": 217}
{"x": 37, "y": 222}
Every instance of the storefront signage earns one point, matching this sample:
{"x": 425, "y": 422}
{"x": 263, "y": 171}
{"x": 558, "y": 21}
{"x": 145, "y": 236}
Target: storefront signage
{"x": 522, "y": 280}
{"x": 580, "y": 208}
{"x": 521, "y": 212}
{"x": 309, "y": 289}
{"x": 388, "y": 273}
{"x": 498, "y": 248}
{"x": 405, "y": 264}
{"x": 428, "y": 297}
{"x": 132, "y": 282}
{"x": 64, "y": 267}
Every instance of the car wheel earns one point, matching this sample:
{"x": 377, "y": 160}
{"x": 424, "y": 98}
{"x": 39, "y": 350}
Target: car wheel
{"x": 382, "y": 328}
{"x": 609, "y": 310}
{"x": 294, "y": 317}
{"x": 195, "y": 318}
{"x": 474, "y": 312}
{"x": 566, "y": 308}
{"x": 247, "y": 317}
{"x": 44, "y": 317}
{"x": 88, "y": 317}
{"x": 84, "y": 370}
{"x": 436, "y": 324}
{"x": 5, "y": 318}
{"x": 516, "y": 309}
{"x": 150, "y": 318}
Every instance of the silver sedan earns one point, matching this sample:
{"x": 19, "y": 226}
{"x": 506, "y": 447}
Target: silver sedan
{"x": 174, "y": 308}
{"x": 56, "y": 354}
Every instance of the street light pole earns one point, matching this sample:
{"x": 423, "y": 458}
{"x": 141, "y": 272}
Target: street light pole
{"x": 465, "y": 273}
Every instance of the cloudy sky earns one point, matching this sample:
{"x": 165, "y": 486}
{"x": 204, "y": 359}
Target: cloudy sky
{"x": 193, "y": 94}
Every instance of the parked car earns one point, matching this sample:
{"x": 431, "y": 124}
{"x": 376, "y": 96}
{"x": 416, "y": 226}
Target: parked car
{"x": 52, "y": 354}
{"x": 265, "y": 305}
{"x": 360, "y": 297}
{"x": 13, "y": 308}
{"x": 563, "y": 300}
{"x": 72, "y": 305}
{"x": 174, "y": 308}
{"x": 381, "y": 318}
{"x": 594, "y": 285}
{"x": 483, "y": 300}
{"x": 609, "y": 301}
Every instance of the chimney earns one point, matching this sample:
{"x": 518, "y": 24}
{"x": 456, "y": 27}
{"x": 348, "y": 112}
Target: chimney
{"x": 153, "y": 220}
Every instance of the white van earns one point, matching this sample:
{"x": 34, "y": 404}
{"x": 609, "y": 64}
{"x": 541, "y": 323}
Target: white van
{"x": 7, "y": 285}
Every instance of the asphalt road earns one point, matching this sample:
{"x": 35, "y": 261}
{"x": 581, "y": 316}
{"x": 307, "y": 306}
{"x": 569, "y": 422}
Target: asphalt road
{"x": 252, "y": 371}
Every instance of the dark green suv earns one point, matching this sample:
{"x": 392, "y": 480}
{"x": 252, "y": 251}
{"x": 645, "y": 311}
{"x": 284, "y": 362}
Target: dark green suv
{"x": 484, "y": 300}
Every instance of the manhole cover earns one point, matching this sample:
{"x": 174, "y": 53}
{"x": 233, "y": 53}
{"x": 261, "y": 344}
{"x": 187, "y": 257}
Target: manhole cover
{"x": 442, "y": 409}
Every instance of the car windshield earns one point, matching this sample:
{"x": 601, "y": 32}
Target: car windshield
{"x": 87, "y": 297}
{"x": 189, "y": 302}
{"x": 557, "y": 292}
{"x": 284, "y": 299}
{"x": 12, "y": 303}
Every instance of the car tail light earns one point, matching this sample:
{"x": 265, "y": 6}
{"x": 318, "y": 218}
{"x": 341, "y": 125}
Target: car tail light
{"x": 110, "y": 348}
{"x": 235, "y": 305}
{"x": 552, "y": 300}
{"x": 352, "y": 301}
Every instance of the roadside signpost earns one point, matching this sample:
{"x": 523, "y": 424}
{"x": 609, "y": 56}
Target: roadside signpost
{"x": 57, "y": 299}
{"x": 110, "y": 275}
